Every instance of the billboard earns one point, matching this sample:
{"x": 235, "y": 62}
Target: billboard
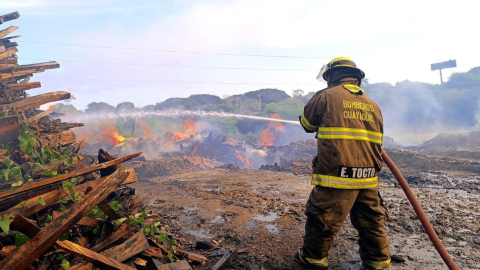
{"x": 446, "y": 64}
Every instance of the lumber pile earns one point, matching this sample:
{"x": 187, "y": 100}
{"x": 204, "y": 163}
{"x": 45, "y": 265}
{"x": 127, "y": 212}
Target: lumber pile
{"x": 59, "y": 208}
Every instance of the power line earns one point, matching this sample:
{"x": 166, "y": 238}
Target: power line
{"x": 180, "y": 82}
{"x": 175, "y": 51}
{"x": 163, "y": 32}
{"x": 177, "y": 66}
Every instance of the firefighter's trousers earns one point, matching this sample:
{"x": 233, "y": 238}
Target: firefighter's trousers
{"x": 326, "y": 211}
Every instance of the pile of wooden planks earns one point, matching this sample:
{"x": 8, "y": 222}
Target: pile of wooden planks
{"x": 59, "y": 208}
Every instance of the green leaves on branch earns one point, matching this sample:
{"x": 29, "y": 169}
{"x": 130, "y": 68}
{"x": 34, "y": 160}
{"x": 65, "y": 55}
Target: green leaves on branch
{"x": 11, "y": 173}
{"x": 41, "y": 201}
{"x": 115, "y": 205}
{"x": 97, "y": 213}
{"x": 5, "y": 224}
{"x": 65, "y": 262}
{"x": 21, "y": 239}
{"x": 27, "y": 143}
{"x": 69, "y": 186}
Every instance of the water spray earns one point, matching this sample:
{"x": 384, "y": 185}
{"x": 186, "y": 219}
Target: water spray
{"x": 176, "y": 113}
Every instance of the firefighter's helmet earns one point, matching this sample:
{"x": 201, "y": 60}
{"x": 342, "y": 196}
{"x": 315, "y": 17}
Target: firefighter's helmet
{"x": 339, "y": 62}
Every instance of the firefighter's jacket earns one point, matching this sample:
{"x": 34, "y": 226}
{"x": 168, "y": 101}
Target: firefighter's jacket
{"x": 349, "y": 128}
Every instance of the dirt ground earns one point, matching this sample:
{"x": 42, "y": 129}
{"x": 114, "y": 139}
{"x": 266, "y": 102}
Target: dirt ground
{"x": 261, "y": 214}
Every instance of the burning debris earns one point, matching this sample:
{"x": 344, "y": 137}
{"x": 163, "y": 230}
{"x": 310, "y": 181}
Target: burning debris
{"x": 270, "y": 134}
{"x": 201, "y": 148}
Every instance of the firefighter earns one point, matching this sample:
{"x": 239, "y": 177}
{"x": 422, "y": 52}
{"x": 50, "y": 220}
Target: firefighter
{"x": 349, "y": 132}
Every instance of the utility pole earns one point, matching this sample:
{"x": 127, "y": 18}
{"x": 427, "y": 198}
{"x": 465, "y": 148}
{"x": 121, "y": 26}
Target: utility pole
{"x": 442, "y": 65}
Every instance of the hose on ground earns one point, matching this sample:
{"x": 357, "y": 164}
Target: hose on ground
{"x": 421, "y": 215}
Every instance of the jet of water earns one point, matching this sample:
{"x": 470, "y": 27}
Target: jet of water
{"x": 176, "y": 113}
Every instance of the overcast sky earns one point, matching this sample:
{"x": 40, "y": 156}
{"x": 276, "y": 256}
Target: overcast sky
{"x": 141, "y": 51}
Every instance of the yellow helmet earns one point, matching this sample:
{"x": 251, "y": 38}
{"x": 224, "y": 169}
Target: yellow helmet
{"x": 338, "y": 62}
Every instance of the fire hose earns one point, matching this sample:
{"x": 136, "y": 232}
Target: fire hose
{"x": 421, "y": 215}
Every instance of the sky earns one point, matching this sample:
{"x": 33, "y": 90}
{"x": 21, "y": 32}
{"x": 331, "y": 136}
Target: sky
{"x": 148, "y": 51}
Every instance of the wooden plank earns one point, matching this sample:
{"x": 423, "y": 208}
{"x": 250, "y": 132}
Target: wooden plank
{"x": 180, "y": 265}
{"x": 15, "y": 74}
{"x": 8, "y": 53}
{"x": 39, "y": 66}
{"x": 84, "y": 221}
{"x": 40, "y": 115}
{"x": 22, "y": 225}
{"x": 55, "y": 139}
{"x": 153, "y": 252}
{"x": 10, "y": 37}
{"x": 9, "y": 129}
{"x": 59, "y": 166}
{"x": 30, "y": 251}
{"x": 36, "y": 101}
{"x": 32, "y": 205}
{"x": 22, "y": 86}
{"x": 191, "y": 256}
{"x": 225, "y": 260}
{"x": 134, "y": 245}
{"x": 93, "y": 257}
{"x": 13, "y": 200}
{"x": 119, "y": 233}
{"x": 9, "y": 17}
{"x": 9, "y": 61}
{"x": 7, "y": 66}
{"x": 8, "y": 30}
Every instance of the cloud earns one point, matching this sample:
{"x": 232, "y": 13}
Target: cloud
{"x": 75, "y": 7}
{"x": 390, "y": 40}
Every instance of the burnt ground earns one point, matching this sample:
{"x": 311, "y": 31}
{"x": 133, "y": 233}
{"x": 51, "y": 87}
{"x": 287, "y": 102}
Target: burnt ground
{"x": 260, "y": 213}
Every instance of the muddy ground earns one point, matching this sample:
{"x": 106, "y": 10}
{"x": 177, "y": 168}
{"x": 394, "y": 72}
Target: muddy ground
{"x": 260, "y": 213}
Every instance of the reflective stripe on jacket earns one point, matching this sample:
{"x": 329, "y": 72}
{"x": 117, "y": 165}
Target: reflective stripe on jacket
{"x": 349, "y": 128}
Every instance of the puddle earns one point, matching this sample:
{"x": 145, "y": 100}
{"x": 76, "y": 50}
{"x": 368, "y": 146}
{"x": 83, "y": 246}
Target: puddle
{"x": 218, "y": 219}
{"x": 252, "y": 225}
{"x": 199, "y": 233}
{"x": 272, "y": 228}
{"x": 271, "y": 217}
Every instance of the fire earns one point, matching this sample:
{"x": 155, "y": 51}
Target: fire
{"x": 111, "y": 135}
{"x": 267, "y": 138}
{"x": 178, "y": 136}
{"x": 268, "y": 135}
{"x": 244, "y": 160}
{"x": 189, "y": 129}
{"x": 189, "y": 126}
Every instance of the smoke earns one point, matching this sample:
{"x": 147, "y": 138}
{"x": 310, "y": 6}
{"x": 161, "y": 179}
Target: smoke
{"x": 412, "y": 112}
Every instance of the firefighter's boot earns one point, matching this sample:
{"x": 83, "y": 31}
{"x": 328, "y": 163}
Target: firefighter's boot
{"x": 311, "y": 263}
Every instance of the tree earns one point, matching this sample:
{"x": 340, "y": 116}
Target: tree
{"x": 148, "y": 108}
{"x": 67, "y": 109}
{"x": 125, "y": 107}
{"x": 298, "y": 93}
{"x": 99, "y": 107}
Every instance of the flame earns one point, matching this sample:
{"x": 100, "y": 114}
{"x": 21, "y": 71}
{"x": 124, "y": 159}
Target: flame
{"x": 111, "y": 135}
{"x": 268, "y": 135}
{"x": 244, "y": 160}
{"x": 178, "y": 135}
{"x": 189, "y": 126}
{"x": 189, "y": 129}
{"x": 266, "y": 138}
